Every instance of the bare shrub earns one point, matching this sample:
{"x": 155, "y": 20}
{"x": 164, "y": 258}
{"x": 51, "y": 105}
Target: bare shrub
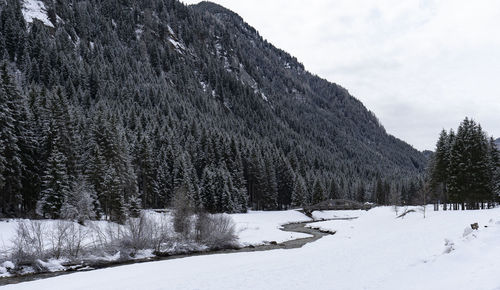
{"x": 216, "y": 231}
{"x": 145, "y": 232}
{"x": 58, "y": 237}
{"x": 138, "y": 233}
{"x": 161, "y": 233}
{"x": 105, "y": 239}
{"x": 74, "y": 245}
{"x": 29, "y": 242}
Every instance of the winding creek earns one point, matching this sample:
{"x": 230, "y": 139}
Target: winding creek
{"x": 297, "y": 227}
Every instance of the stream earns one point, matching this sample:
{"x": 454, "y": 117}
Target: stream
{"x": 297, "y": 227}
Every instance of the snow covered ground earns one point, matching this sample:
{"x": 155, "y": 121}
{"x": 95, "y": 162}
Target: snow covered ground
{"x": 256, "y": 227}
{"x": 375, "y": 251}
{"x": 253, "y": 228}
{"x": 261, "y": 227}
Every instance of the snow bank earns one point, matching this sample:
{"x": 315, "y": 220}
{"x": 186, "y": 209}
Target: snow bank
{"x": 333, "y": 214}
{"x": 7, "y": 232}
{"x": 52, "y": 265}
{"x": 260, "y": 227}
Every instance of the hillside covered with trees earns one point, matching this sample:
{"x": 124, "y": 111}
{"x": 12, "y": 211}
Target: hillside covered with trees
{"x": 110, "y": 106}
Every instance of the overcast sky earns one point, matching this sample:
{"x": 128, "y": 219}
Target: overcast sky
{"x": 420, "y": 66}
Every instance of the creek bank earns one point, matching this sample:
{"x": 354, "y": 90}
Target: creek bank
{"x": 297, "y": 227}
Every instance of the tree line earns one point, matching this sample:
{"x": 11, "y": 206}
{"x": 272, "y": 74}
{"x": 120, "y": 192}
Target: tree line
{"x": 465, "y": 168}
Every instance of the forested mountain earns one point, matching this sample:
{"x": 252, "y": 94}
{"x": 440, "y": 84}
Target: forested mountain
{"x": 497, "y": 142}
{"x": 109, "y": 106}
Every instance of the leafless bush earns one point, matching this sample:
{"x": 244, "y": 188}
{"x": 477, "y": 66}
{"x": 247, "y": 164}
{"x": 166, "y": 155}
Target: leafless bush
{"x": 216, "y": 231}
{"x": 105, "y": 239}
{"x": 145, "y": 232}
{"x": 29, "y": 242}
{"x": 58, "y": 237}
{"x": 138, "y": 233}
{"x": 161, "y": 233}
{"x": 74, "y": 245}
{"x": 36, "y": 240}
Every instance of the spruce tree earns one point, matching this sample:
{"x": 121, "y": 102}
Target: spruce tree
{"x": 318, "y": 192}
{"x": 285, "y": 176}
{"x": 146, "y": 174}
{"x": 494, "y": 167}
{"x": 11, "y": 156}
{"x": 299, "y": 196}
{"x": 440, "y": 162}
{"x": 55, "y": 184}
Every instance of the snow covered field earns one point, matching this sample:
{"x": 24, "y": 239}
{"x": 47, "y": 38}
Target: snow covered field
{"x": 375, "y": 251}
{"x": 260, "y": 227}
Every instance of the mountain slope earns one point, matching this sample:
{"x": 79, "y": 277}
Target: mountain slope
{"x": 163, "y": 97}
{"x": 311, "y": 105}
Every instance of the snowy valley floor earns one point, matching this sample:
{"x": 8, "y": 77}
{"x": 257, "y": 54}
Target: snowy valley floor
{"x": 375, "y": 251}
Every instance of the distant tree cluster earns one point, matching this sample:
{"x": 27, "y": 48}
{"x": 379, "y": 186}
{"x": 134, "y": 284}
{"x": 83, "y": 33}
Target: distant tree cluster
{"x": 122, "y": 103}
{"x": 465, "y": 169}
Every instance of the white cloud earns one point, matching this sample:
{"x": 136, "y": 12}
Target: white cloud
{"x": 419, "y": 65}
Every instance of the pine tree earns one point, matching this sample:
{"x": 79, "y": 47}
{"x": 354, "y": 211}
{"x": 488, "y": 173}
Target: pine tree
{"x": 11, "y": 157}
{"x": 208, "y": 190}
{"x": 146, "y": 174}
{"x": 380, "y": 194}
{"x": 115, "y": 207}
{"x": 333, "y": 190}
{"x": 31, "y": 158}
{"x": 440, "y": 162}
{"x": 235, "y": 167}
{"x": 299, "y": 192}
{"x": 223, "y": 199}
{"x": 361, "y": 192}
{"x": 161, "y": 185}
{"x": 96, "y": 173}
{"x": 285, "y": 176}
{"x": 55, "y": 184}
{"x": 318, "y": 192}
{"x": 494, "y": 167}
{"x": 270, "y": 190}
{"x": 255, "y": 180}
